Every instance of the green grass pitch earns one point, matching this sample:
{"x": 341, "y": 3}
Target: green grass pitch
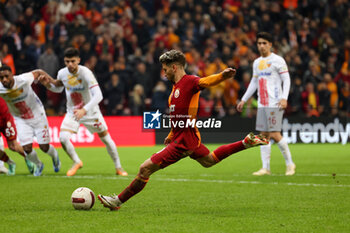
{"x": 186, "y": 197}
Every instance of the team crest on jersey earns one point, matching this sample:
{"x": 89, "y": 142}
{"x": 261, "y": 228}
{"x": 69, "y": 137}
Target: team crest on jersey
{"x": 177, "y": 93}
{"x": 263, "y": 64}
{"x": 14, "y": 93}
{"x": 9, "y": 124}
{"x": 73, "y": 80}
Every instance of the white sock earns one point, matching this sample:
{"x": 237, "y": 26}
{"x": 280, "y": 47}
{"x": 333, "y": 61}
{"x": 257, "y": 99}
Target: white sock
{"x": 265, "y": 152}
{"x": 33, "y": 156}
{"x": 112, "y": 150}
{"x": 283, "y": 145}
{"x": 10, "y": 161}
{"x": 68, "y": 146}
{"x": 52, "y": 152}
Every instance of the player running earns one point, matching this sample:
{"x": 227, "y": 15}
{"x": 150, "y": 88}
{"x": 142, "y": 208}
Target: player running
{"x": 186, "y": 141}
{"x": 270, "y": 72}
{"x": 29, "y": 115}
{"x": 8, "y": 130}
{"x": 83, "y": 96}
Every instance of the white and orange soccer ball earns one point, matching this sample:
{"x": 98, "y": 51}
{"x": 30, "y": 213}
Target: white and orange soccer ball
{"x": 83, "y": 198}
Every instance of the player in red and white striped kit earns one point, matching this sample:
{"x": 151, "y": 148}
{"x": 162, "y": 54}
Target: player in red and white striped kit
{"x": 271, "y": 78}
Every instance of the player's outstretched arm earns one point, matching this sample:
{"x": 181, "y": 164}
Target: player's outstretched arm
{"x": 215, "y": 79}
{"x": 46, "y": 80}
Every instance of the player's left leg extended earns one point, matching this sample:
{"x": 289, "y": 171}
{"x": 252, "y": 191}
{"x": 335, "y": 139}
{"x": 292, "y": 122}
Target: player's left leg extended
{"x": 114, "y": 202}
{"x": 112, "y": 151}
{"x": 284, "y": 148}
{"x": 225, "y": 151}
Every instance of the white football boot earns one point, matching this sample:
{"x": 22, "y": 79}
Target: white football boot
{"x": 112, "y": 202}
{"x": 290, "y": 169}
{"x": 262, "y": 172}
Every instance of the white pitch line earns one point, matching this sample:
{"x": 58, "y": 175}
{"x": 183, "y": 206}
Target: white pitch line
{"x": 298, "y": 174}
{"x": 207, "y": 181}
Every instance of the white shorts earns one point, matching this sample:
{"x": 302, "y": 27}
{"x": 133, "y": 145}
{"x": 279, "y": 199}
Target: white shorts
{"x": 27, "y": 129}
{"x": 94, "y": 123}
{"x": 269, "y": 119}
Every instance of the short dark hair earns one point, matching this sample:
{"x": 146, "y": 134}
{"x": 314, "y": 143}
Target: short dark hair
{"x": 5, "y": 67}
{"x": 71, "y": 52}
{"x": 173, "y": 56}
{"x": 264, "y": 35}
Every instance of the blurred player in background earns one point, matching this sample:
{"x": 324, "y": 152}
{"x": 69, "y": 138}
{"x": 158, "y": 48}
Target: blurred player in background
{"x": 182, "y": 141}
{"x": 29, "y": 114}
{"x": 9, "y": 131}
{"x": 271, "y": 78}
{"x": 83, "y": 96}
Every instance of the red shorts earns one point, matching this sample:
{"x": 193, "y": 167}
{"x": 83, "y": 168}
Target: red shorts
{"x": 8, "y": 127}
{"x": 171, "y": 154}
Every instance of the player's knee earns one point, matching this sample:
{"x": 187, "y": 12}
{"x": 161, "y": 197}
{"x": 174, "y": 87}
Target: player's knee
{"x": 64, "y": 137}
{"x": 207, "y": 164}
{"x": 44, "y": 147}
{"x": 28, "y": 149}
{"x": 207, "y": 161}
{"x": 144, "y": 171}
{"x": 147, "y": 168}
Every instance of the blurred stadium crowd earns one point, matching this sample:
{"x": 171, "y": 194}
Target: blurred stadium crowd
{"x": 121, "y": 40}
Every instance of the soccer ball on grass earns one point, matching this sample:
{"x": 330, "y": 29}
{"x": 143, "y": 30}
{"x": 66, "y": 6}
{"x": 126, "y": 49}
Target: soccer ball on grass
{"x": 83, "y": 198}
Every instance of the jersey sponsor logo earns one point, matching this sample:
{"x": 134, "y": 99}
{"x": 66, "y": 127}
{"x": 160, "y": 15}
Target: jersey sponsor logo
{"x": 151, "y": 120}
{"x": 75, "y": 88}
{"x": 265, "y": 73}
{"x": 263, "y": 64}
{"x": 177, "y": 93}
{"x": 73, "y": 80}
{"x": 14, "y": 93}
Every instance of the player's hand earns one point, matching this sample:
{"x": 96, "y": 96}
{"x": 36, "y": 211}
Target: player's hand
{"x": 44, "y": 80}
{"x": 167, "y": 141}
{"x": 79, "y": 113}
{"x": 240, "y": 106}
{"x": 228, "y": 73}
{"x": 283, "y": 104}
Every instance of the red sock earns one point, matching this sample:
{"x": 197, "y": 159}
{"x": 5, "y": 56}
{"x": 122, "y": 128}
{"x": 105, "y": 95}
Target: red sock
{"x": 224, "y": 151}
{"x": 135, "y": 187}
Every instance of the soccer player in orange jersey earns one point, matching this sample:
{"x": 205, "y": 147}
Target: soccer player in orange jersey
{"x": 182, "y": 141}
{"x": 8, "y": 129}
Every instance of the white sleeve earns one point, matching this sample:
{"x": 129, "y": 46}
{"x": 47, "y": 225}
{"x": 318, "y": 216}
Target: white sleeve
{"x": 26, "y": 77}
{"x": 90, "y": 78}
{"x": 284, "y": 74}
{"x": 286, "y": 85}
{"x": 55, "y": 89}
{"x": 96, "y": 97}
{"x": 253, "y": 85}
